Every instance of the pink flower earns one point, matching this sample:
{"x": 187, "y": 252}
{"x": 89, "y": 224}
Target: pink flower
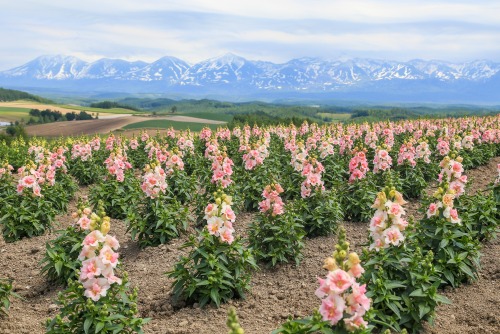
{"x": 108, "y": 256}
{"x": 93, "y": 239}
{"x": 210, "y": 210}
{"x": 265, "y": 205}
{"x": 84, "y": 223}
{"x": 433, "y": 208}
{"x": 454, "y": 216}
{"x": 332, "y": 309}
{"x": 109, "y": 273}
{"x": 277, "y": 209}
{"x": 358, "y": 297}
{"x": 86, "y": 253}
{"x": 379, "y": 221}
{"x": 214, "y": 224}
{"x": 229, "y": 213}
{"x": 96, "y": 288}
{"x": 324, "y": 288}
{"x": 91, "y": 268}
{"x": 355, "y": 322}
{"x": 356, "y": 270}
{"x": 111, "y": 242}
{"x": 396, "y": 210}
{"x": 339, "y": 280}
{"x": 393, "y": 236}
{"x": 226, "y": 235}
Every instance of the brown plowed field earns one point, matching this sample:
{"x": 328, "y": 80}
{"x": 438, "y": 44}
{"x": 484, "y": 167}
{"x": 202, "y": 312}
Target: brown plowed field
{"x": 76, "y": 128}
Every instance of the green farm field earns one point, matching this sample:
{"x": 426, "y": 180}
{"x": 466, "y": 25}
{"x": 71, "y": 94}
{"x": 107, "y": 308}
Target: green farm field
{"x": 334, "y": 117}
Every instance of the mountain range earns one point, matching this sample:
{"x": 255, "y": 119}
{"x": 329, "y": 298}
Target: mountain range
{"x": 232, "y": 77}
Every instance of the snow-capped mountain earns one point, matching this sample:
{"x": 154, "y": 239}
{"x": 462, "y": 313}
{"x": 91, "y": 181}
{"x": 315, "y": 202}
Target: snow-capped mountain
{"x": 231, "y": 75}
{"x": 168, "y": 69}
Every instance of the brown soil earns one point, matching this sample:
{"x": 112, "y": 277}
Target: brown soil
{"x": 276, "y": 293}
{"x": 76, "y": 128}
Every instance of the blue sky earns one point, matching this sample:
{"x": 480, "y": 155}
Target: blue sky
{"x": 272, "y": 30}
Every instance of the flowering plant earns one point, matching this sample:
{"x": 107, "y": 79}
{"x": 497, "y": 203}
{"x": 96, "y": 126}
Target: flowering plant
{"x": 344, "y": 302}
{"x": 343, "y": 299}
{"x": 98, "y": 301}
{"x": 442, "y": 231}
{"x": 28, "y": 213}
{"x": 120, "y": 189}
{"x": 388, "y": 222}
{"x": 276, "y": 235}
{"x": 218, "y": 266}
{"x": 83, "y": 165}
{"x": 159, "y": 217}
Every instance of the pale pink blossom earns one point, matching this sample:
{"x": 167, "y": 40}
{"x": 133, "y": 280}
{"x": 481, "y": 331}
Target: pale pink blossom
{"x": 332, "y": 308}
{"x": 96, "y": 288}
{"x": 339, "y": 280}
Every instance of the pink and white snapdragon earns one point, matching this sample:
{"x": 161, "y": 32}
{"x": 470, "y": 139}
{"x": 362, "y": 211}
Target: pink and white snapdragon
{"x": 82, "y": 151}
{"x": 343, "y": 300}
{"x": 382, "y": 161}
{"x": 451, "y": 185}
{"x": 358, "y": 166}
{"x": 407, "y": 153}
{"x": 117, "y": 164}
{"x": 423, "y": 152}
{"x": 254, "y": 155}
{"x": 99, "y": 257}
{"x": 272, "y": 204}
{"x": 312, "y": 170}
{"x": 388, "y": 223}
{"x": 173, "y": 162}
{"x": 299, "y": 155}
{"x": 222, "y": 168}
{"x": 154, "y": 181}
{"x": 443, "y": 146}
{"x": 5, "y": 170}
{"x": 220, "y": 218}
{"x": 30, "y": 178}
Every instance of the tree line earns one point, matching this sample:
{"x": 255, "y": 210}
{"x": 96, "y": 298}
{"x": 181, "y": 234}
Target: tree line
{"x": 14, "y": 95}
{"x": 49, "y": 116}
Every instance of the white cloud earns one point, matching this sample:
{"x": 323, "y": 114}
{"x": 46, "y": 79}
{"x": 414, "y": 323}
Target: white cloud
{"x": 276, "y": 30}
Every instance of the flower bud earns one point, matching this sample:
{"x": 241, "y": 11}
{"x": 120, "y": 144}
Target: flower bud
{"x": 354, "y": 259}
{"x": 330, "y": 264}
{"x": 105, "y": 226}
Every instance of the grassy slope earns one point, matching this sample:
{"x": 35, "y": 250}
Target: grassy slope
{"x": 99, "y": 110}
{"x": 9, "y": 114}
{"x": 209, "y": 115}
{"x": 165, "y": 124}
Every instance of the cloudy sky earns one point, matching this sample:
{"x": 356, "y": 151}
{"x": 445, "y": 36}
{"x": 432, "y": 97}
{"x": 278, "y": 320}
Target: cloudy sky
{"x": 272, "y": 30}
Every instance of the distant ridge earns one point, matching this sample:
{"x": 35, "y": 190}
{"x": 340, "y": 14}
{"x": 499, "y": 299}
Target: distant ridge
{"x": 231, "y": 76}
{"x": 7, "y": 95}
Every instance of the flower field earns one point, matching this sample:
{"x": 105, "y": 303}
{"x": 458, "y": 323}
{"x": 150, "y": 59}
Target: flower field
{"x": 331, "y": 229}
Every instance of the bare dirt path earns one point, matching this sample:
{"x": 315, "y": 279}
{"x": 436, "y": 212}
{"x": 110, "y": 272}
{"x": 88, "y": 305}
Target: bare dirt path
{"x": 276, "y": 293}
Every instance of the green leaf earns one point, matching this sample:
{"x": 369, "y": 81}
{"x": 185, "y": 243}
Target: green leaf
{"x": 442, "y": 299}
{"x": 418, "y": 293}
{"x": 58, "y": 265}
{"x": 394, "y": 284}
{"x": 99, "y": 326}
{"x": 87, "y": 324}
{"x": 466, "y": 269}
{"x": 423, "y": 310}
